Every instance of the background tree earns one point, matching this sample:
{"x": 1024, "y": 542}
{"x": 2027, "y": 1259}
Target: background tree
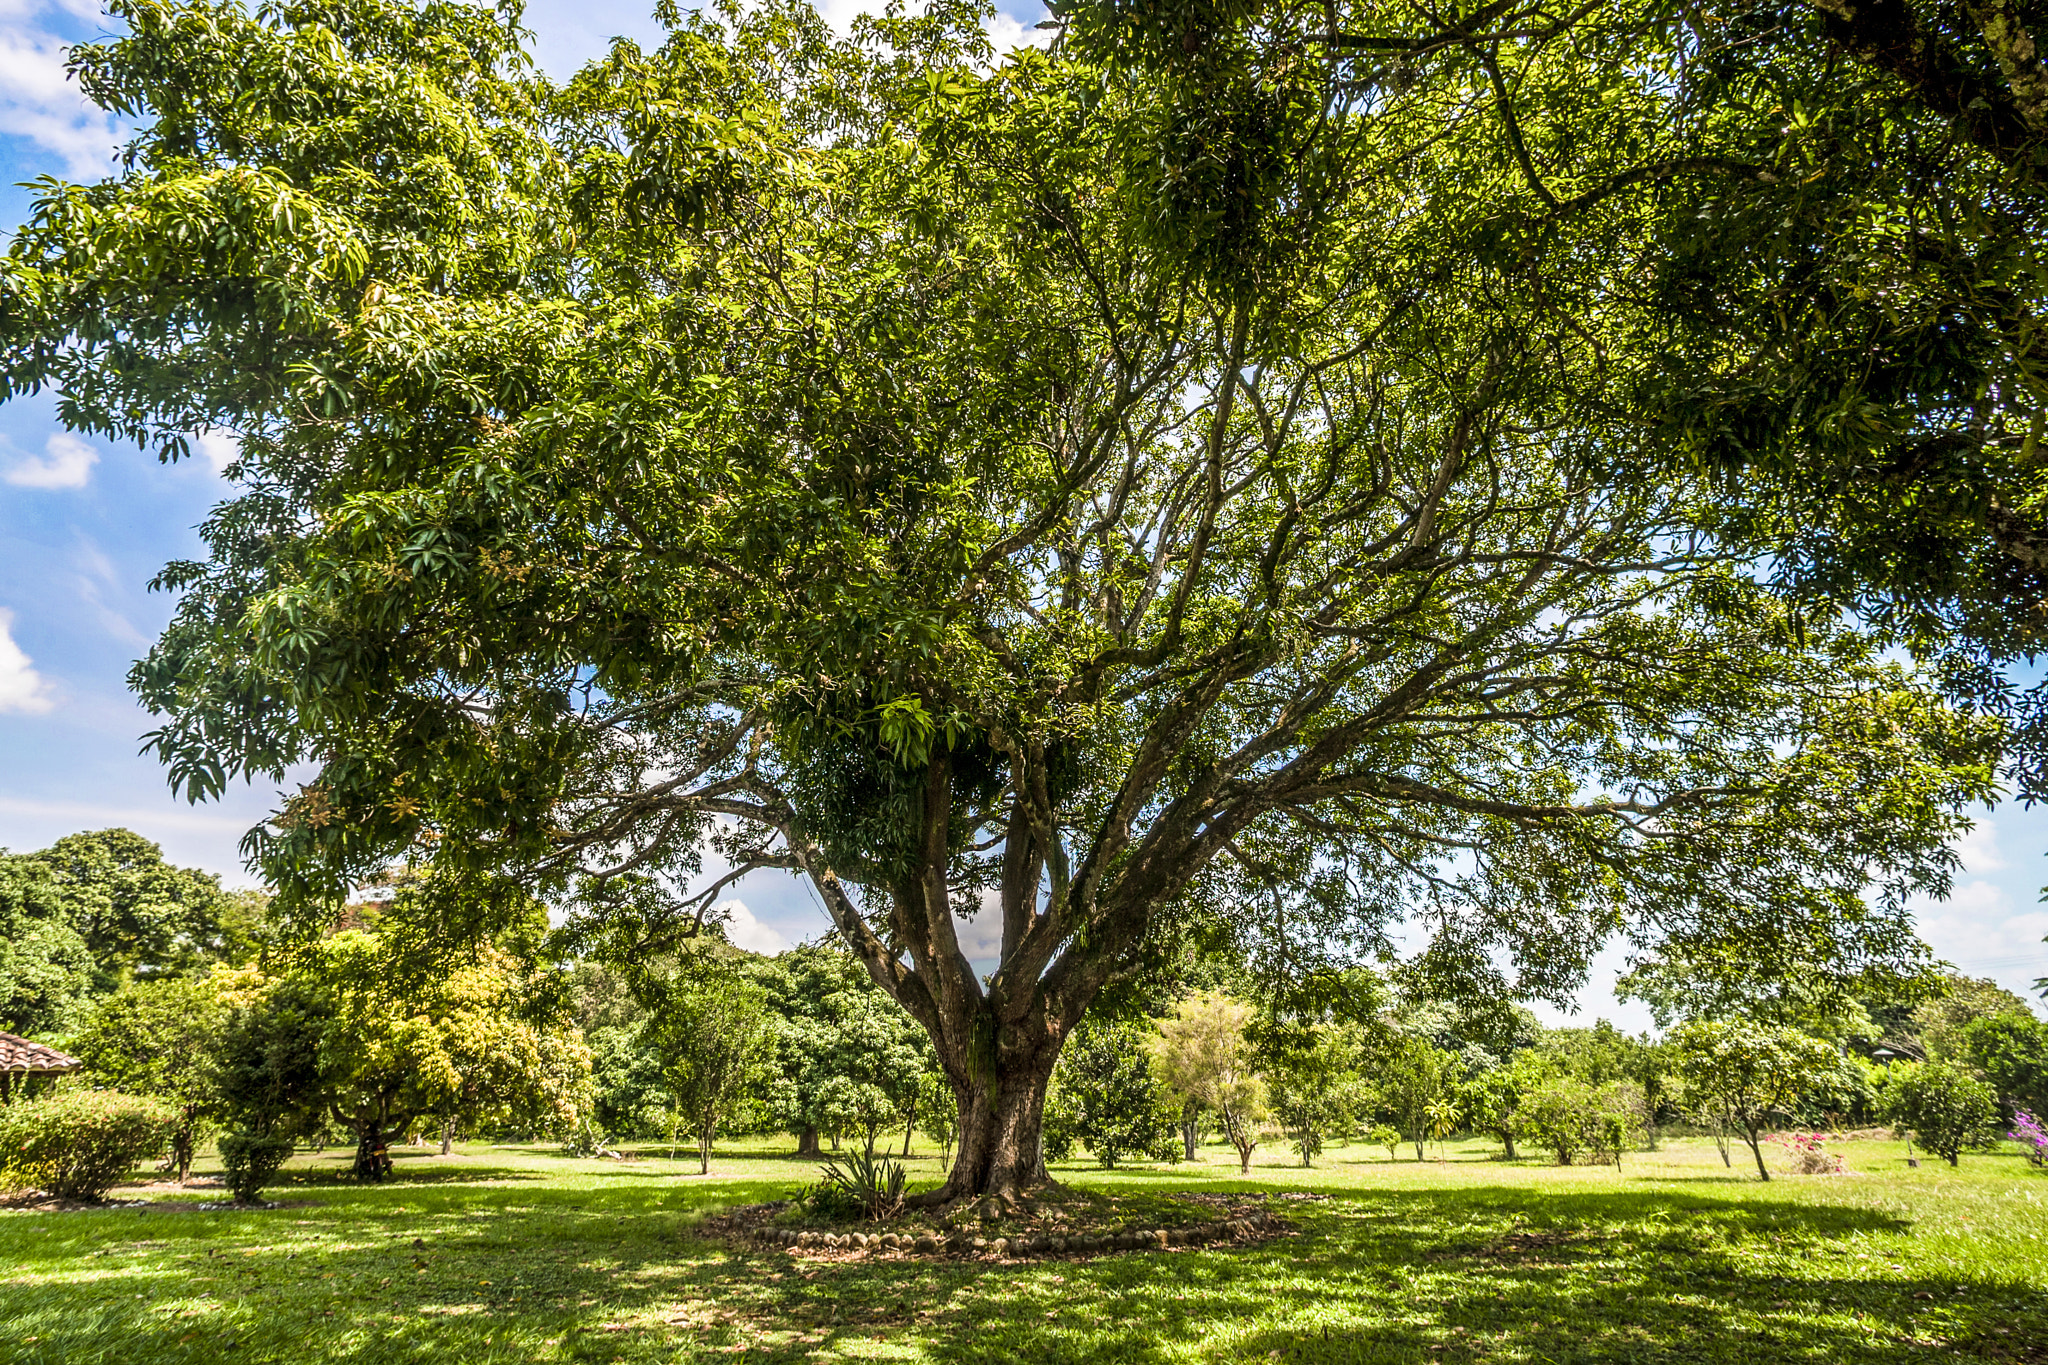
{"x": 1115, "y": 535}
{"x": 1940, "y": 1022}
{"x": 628, "y": 1098}
{"x": 158, "y": 1038}
{"x": 1411, "y": 1076}
{"x": 714, "y": 1033}
{"x": 1946, "y": 1109}
{"x": 2010, "y": 1053}
{"x": 47, "y": 972}
{"x": 938, "y": 1114}
{"x": 359, "y": 1029}
{"x": 140, "y": 917}
{"x": 1203, "y": 1055}
{"x": 1492, "y": 1099}
{"x": 1744, "y": 1075}
{"x": 846, "y": 1056}
{"x": 1312, "y": 1071}
{"x": 1106, "y": 1084}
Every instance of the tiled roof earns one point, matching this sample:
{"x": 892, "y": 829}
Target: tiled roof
{"x": 19, "y": 1054}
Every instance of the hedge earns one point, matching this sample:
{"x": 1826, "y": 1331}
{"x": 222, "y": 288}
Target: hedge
{"x": 78, "y": 1144}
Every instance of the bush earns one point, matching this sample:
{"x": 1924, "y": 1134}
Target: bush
{"x": 1945, "y": 1108}
{"x": 1573, "y": 1118}
{"x": 78, "y": 1144}
{"x": 871, "y": 1184}
{"x": 1810, "y": 1154}
{"x": 251, "y": 1160}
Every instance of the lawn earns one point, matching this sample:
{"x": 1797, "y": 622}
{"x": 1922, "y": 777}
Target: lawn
{"x": 513, "y": 1254}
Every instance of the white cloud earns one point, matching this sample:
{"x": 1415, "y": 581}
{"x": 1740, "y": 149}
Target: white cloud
{"x": 1008, "y": 33}
{"x": 22, "y": 689}
{"x": 218, "y": 448}
{"x": 66, "y": 462}
{"x": 742, "y": 930}
{"x": 1979, "y": 849}
{"x": 38, "y": 99}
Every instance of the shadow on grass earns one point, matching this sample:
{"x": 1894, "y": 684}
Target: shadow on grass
{"x": 417, "y": 1272}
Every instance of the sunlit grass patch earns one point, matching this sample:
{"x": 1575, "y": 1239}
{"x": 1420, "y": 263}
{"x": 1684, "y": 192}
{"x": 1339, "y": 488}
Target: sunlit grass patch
{"x": 509, "y": 1254}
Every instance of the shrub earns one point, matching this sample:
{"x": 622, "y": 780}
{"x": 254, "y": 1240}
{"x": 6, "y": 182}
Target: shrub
{"x": 2030, "y": 1133}
{"x": 1388, "y": 1136}
{"x": 78, "y": 1144}
{"x": 1810, "y": 1155}
{"x": 251, "y": 1160}
{"x": 872, "y": 1184}
{"x": 1945, "y": 1108}
{"x": 1573, "y": 1118}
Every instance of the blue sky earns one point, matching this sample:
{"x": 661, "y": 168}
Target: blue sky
{"x": 85, "y": 525}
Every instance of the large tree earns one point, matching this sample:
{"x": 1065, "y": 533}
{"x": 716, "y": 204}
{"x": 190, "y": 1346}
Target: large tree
{"x": 987, "y": 490}
{"x": 1827, "y": 216}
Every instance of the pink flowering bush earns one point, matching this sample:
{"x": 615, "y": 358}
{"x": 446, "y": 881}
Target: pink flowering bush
{"x": 1809, "y": 1153}
{"x": 2028, "y": 1131}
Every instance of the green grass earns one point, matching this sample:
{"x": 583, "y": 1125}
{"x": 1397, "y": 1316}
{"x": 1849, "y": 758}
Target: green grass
{"x": 525, "y": 1256}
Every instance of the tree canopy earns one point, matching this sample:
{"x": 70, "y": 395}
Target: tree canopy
{"x": 984, "y": 488}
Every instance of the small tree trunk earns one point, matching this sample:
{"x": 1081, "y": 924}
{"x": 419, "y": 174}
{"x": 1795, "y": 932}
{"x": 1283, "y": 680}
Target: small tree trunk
{"x": 908, "y": 1125}
{"x": 1509, "y": 1139}
{"x": 704, "y": 1150}
{"x": 181, "y": 1152}
{"x": 1756, "y": 1150}
{"x": 807, "y": 1143}
{"x": 370, "y": 1150}
{"x": 447, "y": 1135}
{"x": 1188, "y": 1127}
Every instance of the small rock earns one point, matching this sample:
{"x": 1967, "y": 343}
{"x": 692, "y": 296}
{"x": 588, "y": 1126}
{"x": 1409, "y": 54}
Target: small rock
{"x": 1058, "y": 1243}
{"x": 927, "y": 1244}
{"x": 891, "y": 1241}
{"x": 978, "y": 1243}
{"x": 1156, "y": 1238}
{"x": 1000, "y": 1246}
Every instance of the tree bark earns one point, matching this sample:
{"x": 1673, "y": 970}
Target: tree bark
{"x": 807, "y": 1143}
{"x": 704, "y": 1150}
{"x": 181, "y": 1152}
{"x": 1188, "y": 1126}
{"x": 1001, "y": 1151}
{"x": 372, "y": 1158}
{"x": 447, "y": 1136}
{"x": 908, "y": 1125}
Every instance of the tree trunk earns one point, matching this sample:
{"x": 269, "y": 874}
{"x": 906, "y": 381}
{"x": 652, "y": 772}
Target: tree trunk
{"x": 181, "y": 1153}
{"x": 807, "y": 1143}
{"x": 1509, "y": 1140}
{"x": 704, "y": 1150}
{"x": 1001, "y": 1142}
{"x": 1756, "y": 1150}
{"x": 1188, "y": 1128}
{"x": 447, "y": 1136}
{"x": 908, "y": 1126}
{"x": 372, "y": 1156}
